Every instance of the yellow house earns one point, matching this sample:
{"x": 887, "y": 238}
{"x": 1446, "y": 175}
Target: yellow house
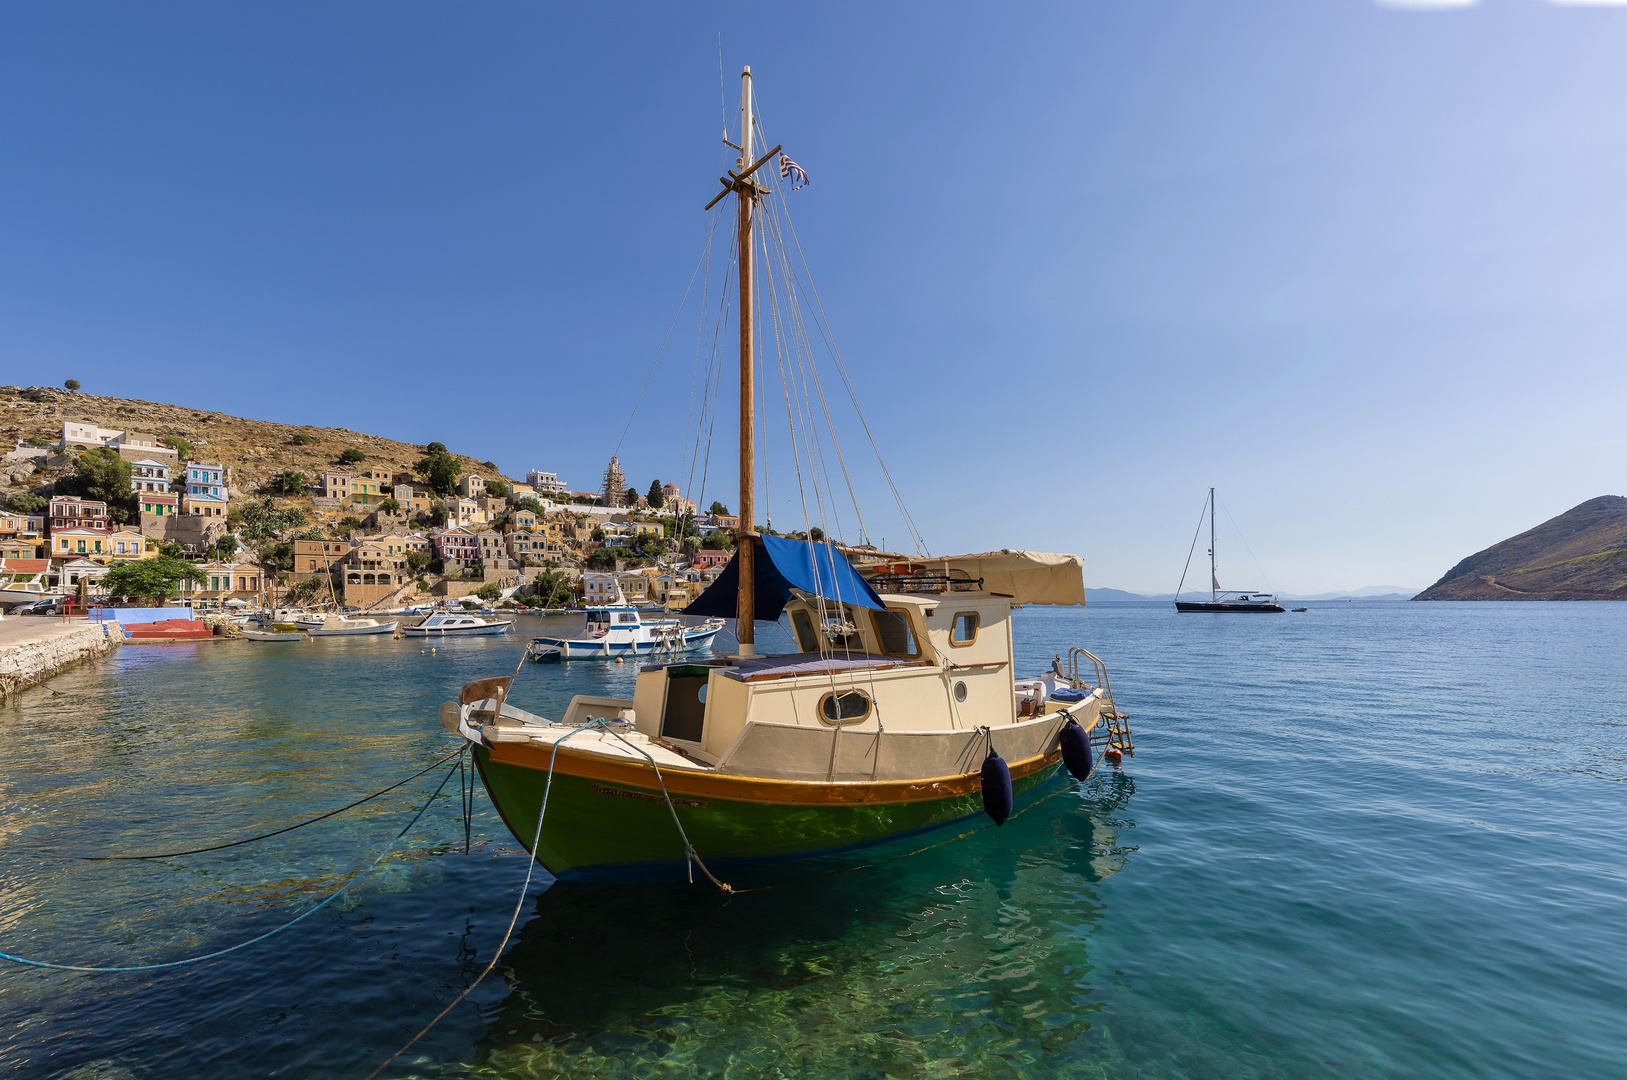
{"x": 89, "y": 544}
{"x": 128, "y": 545}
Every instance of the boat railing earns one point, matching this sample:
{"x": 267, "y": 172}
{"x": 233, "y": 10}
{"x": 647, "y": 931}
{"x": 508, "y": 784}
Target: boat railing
{"x": 1115, "y": 727}
{"x": 926, "y": 582}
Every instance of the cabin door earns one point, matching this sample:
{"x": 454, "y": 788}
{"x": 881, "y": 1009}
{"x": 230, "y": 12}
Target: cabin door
{"x": 684, "y": 714}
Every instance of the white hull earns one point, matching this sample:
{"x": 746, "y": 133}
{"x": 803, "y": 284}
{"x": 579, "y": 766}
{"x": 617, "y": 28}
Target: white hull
{"x": 354, "y": 631}
{"x": 601, "y": 648}
{"x": 488, "y": 630}
{"x": 271, "y": 635}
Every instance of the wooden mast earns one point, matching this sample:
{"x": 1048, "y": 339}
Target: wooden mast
{"x": 746, "y": 535}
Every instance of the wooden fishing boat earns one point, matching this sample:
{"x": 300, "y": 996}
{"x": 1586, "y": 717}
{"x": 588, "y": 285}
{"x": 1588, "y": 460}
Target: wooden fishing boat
{"x": 898, "y": 712}
{"x": 279, "y": 632}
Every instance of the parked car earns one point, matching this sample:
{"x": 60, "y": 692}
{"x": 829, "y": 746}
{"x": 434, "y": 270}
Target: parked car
{"x": 50, "y": 605}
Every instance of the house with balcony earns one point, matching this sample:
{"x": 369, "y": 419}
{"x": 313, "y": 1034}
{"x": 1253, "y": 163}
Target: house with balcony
{"x": 335, "y": 484}
{"x": 159, "y": 505}
{"x": 149, "y": 476}
{"x": 21, "y": 526}
{"x": 223, "y": 582}
{"x": 472, "y": 487}
{"x": 707, "y": 558}
{"x": 467, "y": 512}
{"x": 72, "y": 512}
{"x": 205, "y": 490}
{"x": 80, "y": 543}
{"x": 127, "y": 544}
{"x": 457, "y": 548}
{"x": 546, "y": 483}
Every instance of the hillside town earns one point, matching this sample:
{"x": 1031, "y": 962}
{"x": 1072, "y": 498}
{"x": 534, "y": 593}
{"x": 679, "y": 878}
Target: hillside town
{"x": 360, "y": 533}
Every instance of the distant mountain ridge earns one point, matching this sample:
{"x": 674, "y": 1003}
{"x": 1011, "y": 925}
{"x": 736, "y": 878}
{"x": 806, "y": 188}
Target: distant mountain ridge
{"x": 1579, "y": 555}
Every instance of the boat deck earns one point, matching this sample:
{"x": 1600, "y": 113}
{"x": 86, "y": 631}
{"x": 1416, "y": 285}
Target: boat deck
{"x": 596, "y": 741}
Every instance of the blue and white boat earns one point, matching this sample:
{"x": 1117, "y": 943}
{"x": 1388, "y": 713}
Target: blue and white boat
{"x": 621, "y": 630}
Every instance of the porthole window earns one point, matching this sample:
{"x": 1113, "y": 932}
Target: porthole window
{"x": 963, "y": 631}
{"x": 845, "y": 707}
{"x": 960, "y": 691}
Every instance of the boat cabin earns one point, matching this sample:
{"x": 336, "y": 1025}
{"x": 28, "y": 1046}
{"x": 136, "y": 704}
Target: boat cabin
{"x": 921, "y": 663}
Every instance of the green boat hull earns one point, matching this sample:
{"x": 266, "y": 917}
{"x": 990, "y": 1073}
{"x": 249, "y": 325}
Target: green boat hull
{"x": 597, "y": 830}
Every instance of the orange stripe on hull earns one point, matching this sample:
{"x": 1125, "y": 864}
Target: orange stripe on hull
{"x": 572, "y": 762}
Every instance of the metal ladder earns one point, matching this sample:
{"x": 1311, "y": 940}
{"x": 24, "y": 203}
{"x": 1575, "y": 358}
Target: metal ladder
{"x": 1114, "y": 730}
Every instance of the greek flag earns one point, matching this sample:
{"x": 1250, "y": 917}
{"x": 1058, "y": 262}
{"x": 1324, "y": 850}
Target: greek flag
{"x": 791, "y": 169}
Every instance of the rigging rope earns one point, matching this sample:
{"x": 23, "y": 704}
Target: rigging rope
{"x": 301, "y": 917}
{"x": 250, "y": 839}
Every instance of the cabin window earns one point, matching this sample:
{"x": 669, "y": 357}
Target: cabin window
{"x": 802, "y": 623}
{"x": 625, "y": 619}
{"x": 960, "y": 691}
{"x": 846, "y": 707}
{"x": 893, "y": 633}
{"x": 963, "y": 631}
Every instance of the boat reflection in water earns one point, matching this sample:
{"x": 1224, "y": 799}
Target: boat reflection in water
{"x": 974, "y": 952}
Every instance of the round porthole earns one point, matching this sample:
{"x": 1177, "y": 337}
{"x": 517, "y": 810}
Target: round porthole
{"x": 700, "y": 695}
{"x": 960, "y": 691}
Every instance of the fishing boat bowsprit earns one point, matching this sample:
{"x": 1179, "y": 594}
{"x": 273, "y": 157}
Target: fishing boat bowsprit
{"x": 899, "y": 710}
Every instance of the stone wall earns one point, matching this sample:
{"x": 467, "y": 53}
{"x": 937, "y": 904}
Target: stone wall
{"x": 193, "y": 532}
{"x": 29, "y": 656}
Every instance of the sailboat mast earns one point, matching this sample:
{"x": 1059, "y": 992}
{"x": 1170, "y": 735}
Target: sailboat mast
{"x": 745, "y": 555}
{"x": 1214, "y": 582}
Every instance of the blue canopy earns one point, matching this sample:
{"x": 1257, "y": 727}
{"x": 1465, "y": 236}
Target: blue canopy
{"x": 782, "y": 565}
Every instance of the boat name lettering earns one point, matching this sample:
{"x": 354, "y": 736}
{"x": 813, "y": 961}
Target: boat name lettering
{"x": 643, "y": 796}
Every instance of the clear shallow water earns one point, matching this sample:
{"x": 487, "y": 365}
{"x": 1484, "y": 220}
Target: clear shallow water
{"x": 1372, "y": 840}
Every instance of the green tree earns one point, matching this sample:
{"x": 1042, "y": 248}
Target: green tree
{"x": 440, "y": 471}
{"x": 37, "y": 442}
{"x": 552, "y": 588}
{"x": 489, "y": 591}
{"x": 263, "y": 520}
{"x": 602, "y": 559}
{"x": 224, "y": 547}
{"x": 72, "y": 384}
{"x": 347, "y": 526}
{"x": 656, "y": 498}
{"x": 182, "y": 447}
{"x": 305, "y": 591}
{"x": 598, "y": 535}
{"x": 526, "y": 502}
{"x": 352, "y": 456}
{"x": 632, "y": 496}
{"x": 101, "y": 474}
{"x": 170, "y": 549}
{"x": 26, "y": 502}
{"x": 277, "y": 558}
{"x": 717, "y": 508}
{"x": 497, "y": 489}
{"x": 417, "y": 561}
{"x": 287, "y": 482}
{"x": 435, "y": 448}
{"x": 816, "y": 534}
{"x": 303, "y": 438}
{"x": 151, "y": 579}
{"x": 390, "y": 506}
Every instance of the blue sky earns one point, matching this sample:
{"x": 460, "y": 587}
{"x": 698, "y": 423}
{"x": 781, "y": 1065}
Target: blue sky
{"x": 1361, "y": 267}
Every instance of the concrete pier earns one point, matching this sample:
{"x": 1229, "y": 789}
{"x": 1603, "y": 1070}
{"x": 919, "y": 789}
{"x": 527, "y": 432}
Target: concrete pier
{"x": 34, "y": 649}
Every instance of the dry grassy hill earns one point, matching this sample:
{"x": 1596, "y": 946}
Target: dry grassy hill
{"x": 254, "y": 449}
{"x": 1579, "y": 555}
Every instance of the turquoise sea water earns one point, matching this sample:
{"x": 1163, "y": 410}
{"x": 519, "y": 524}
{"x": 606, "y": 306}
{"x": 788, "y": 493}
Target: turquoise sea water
{"x": 1374, "y": 840}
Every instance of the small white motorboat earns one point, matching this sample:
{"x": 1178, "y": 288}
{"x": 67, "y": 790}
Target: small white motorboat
{"x": 622, "y": 631}
{"x": 448, "y": 624}
{"x": 353, "y": 628}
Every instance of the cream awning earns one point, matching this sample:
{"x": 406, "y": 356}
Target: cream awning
{"x": 1029, "y": 577}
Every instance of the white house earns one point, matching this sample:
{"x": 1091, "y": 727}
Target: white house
{"x": 148, "y": 475}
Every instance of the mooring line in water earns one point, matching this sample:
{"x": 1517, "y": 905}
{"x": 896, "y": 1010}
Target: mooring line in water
{"x": 249, "y": 840}
{"x": 357, "y": 876}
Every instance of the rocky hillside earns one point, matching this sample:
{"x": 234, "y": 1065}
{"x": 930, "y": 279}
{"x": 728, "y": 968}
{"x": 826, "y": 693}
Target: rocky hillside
{"x": 254, "y": 449}
{"x": 1579, "y": 555}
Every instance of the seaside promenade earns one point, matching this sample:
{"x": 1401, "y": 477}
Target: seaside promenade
{"x": 34, "y": 649}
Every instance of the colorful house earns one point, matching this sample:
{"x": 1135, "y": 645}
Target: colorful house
{"x": 128, "y": 545}
{"x": 223, "y": 581}
{"x": 205, "y": 490}
{"x": 72, "y": 512}
{"x": 148, "y": 476}
{"x": 159, "y": 505}
{"x": 93, "y": 544}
